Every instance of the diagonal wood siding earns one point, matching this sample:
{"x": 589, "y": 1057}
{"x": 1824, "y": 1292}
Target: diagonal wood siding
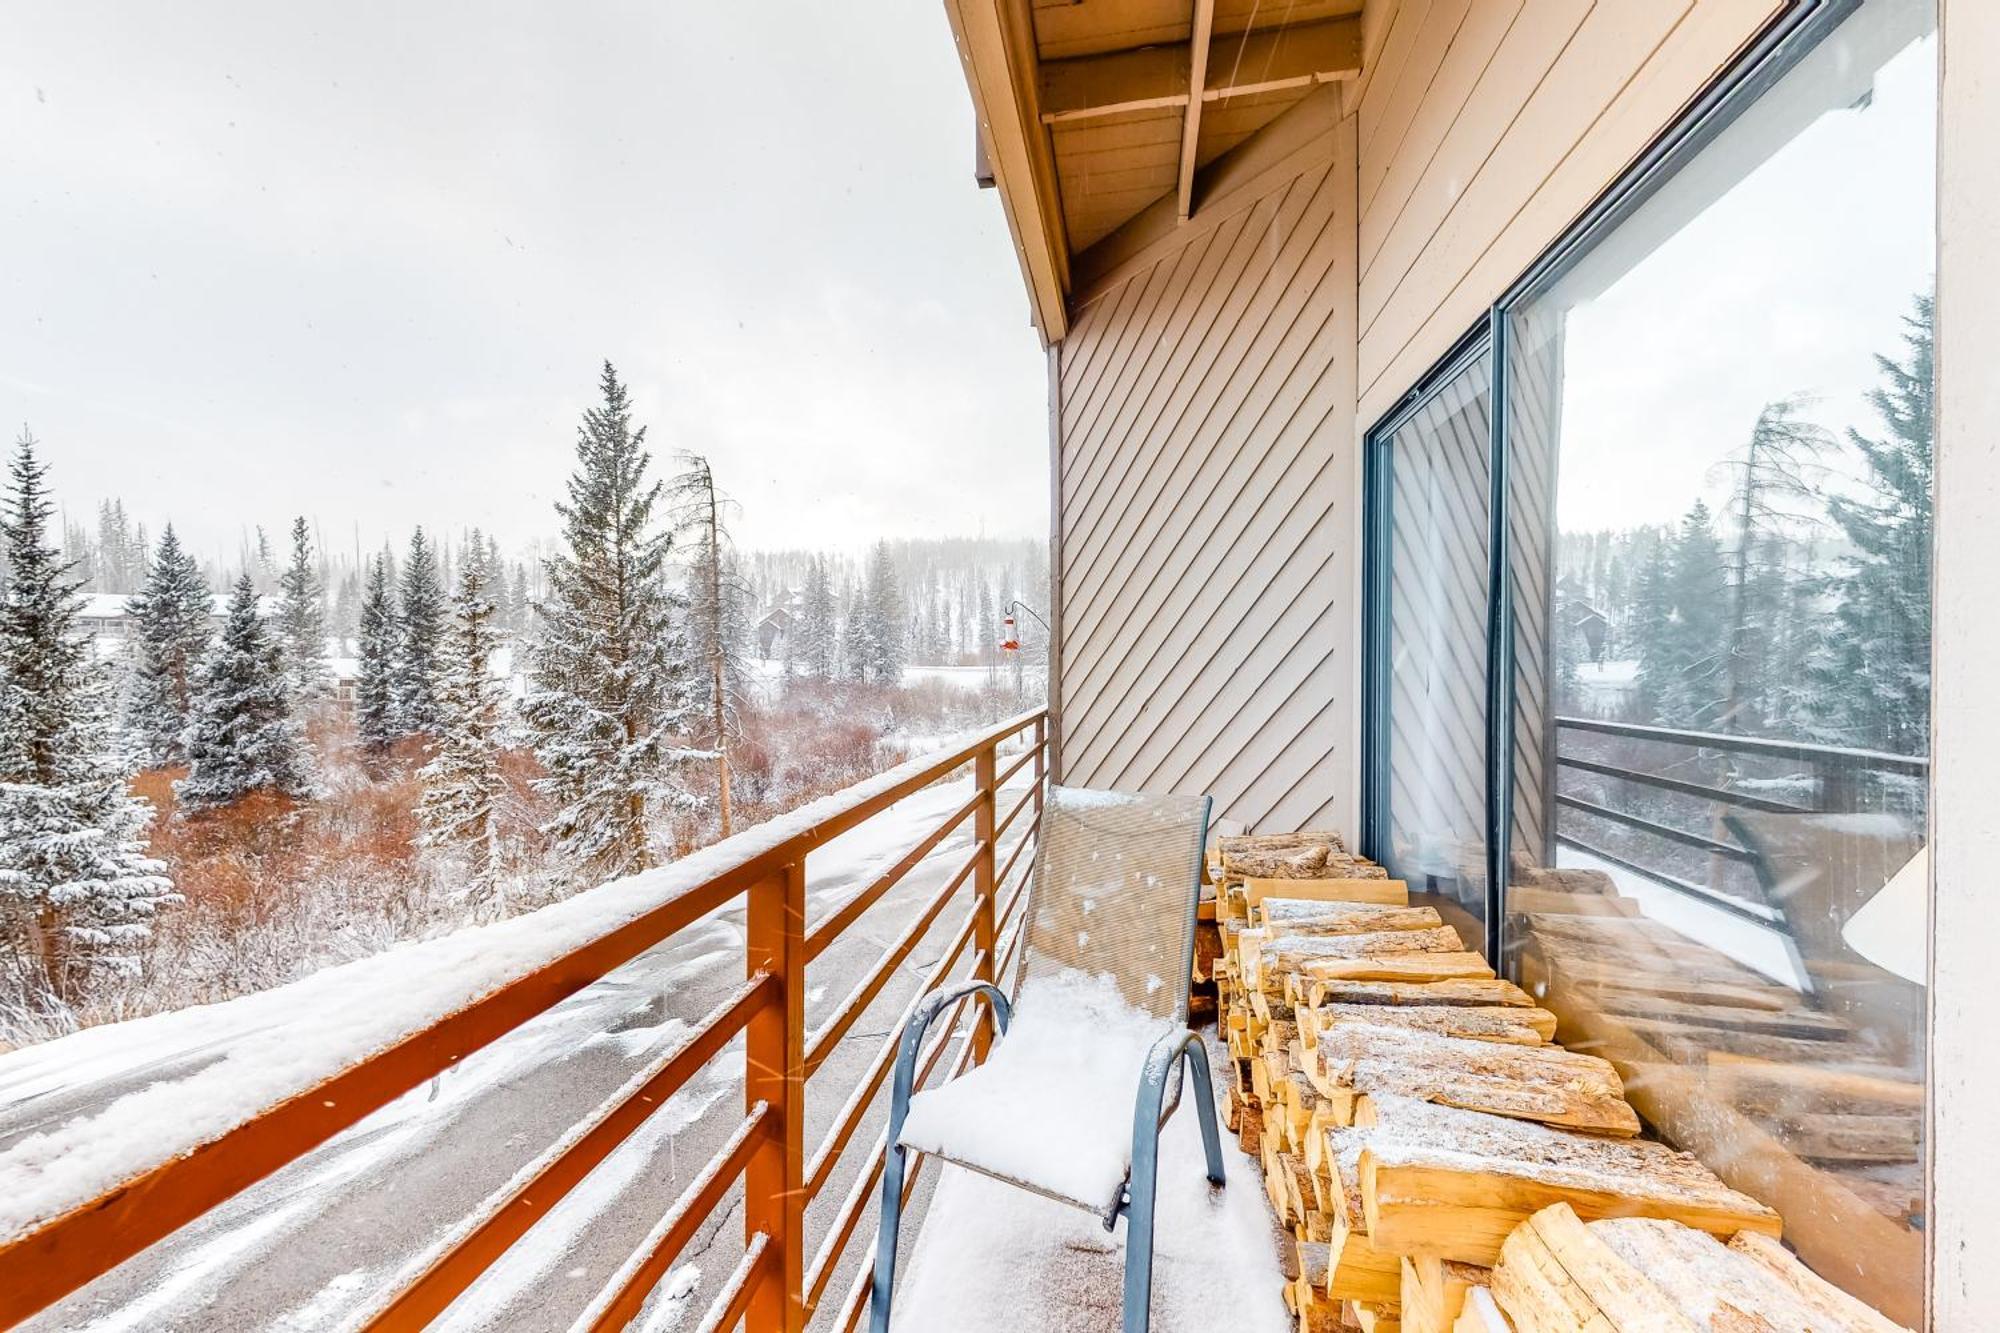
{"x": 1209, "y": 516}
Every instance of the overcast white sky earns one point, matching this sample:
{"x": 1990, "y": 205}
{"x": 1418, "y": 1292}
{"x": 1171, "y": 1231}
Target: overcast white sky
{"x": 362, "y": 261}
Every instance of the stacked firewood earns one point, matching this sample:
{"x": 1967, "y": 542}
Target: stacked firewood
{"x": 1413, "y": 1113}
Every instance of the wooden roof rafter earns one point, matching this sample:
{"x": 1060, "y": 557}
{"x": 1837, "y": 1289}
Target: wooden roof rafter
{"x": 1107, "y": 122}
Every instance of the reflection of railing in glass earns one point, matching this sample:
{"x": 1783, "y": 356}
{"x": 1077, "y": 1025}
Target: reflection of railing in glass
{"x": 1699, "y": 929}
{"x": 1837, "y": 780}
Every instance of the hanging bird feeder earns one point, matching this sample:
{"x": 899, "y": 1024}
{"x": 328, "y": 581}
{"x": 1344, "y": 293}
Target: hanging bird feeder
{"x": 1010, "y": 637}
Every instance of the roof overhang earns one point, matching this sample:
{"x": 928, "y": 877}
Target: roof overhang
{"x": 1107, "y": 124}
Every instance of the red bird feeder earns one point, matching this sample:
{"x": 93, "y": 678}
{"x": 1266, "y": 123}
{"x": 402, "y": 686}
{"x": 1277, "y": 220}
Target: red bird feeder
{"x": 1012, "y": 642}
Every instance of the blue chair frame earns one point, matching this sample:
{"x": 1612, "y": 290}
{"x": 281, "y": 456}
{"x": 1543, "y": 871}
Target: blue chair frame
{"x": 1149, "y": 1114}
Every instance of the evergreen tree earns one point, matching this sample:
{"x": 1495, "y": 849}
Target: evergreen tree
{"x": 857, "y": 646}
{"x": 1683, "y": 651}
{"x": 718, "y": 627}
{"x": 610, "y": 688}
{"x": 375, "y": 715}
{"x": 523, "y": 608}
{"x": 420, "y": 626}
{"x": 302, "y": 621}
{"x": 77, "y": 892}
{"x": 887, "y": 639}
{"x": 244, "y": 738}
{"x": 1777, "y": 474}
{"x": 1885, "y": 606}
{"x": 119, "y": 566}
{"x": 498, "y": 591}
{"x": 818, "y": 631}
{"x": 171, "y": 635}
{"x": 461, "y": 784}
{"x": 264, "y": 564}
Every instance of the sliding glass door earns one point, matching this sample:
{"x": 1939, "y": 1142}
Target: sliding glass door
{"x": 1714, "y": 452}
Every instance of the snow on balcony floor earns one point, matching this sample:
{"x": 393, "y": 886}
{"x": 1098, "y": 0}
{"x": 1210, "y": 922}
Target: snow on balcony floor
{"x": 990, "y": 1258}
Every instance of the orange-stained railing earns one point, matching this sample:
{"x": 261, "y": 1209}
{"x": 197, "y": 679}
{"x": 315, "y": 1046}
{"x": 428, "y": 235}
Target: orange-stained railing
{"x": 778, "y": 1286}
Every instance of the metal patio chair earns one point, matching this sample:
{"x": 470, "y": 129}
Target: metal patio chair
{"x": 1091, "y": 1040}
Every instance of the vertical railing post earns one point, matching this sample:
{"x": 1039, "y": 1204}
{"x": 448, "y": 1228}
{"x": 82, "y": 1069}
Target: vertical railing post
{"x": 983, "y": 769}
{"x": 774, "y": 1074}
{"x": 1041, "y": 757}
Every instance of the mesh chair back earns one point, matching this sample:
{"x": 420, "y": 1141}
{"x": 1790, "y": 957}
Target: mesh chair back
{"x": 1116, "y": 882}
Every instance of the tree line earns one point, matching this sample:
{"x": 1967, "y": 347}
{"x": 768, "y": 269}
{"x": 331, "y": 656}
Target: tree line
{"x": 1799, "y": 609}
{"x": 631, "y": 642}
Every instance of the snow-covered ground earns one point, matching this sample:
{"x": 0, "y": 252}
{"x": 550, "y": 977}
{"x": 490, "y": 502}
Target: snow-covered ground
{"x": 308, "y": 1247}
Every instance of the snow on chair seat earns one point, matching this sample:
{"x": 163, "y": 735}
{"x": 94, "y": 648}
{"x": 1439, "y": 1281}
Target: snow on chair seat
{"x": 1051, "y": 1109}
{"x": 1071, "y": 1101}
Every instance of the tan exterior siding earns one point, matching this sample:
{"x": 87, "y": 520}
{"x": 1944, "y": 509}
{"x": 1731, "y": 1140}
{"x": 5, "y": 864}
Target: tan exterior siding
{"x": 1208, "y": 514}
{"x": 1485, "y": 127}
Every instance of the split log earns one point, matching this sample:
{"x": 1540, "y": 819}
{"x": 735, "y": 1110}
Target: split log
{"x": 1826, "y": 1301}
{"x": 1265, "y": 957}
{"x": 1770, "y": 1087}
{"x": 1558, "y": 1275}
{"x": 1475, "y": 992}
{"x": 1434, "y": 1292}
{"x": 1590, "y": 974}
{"x": 1501, "y": 1023}
{"x": 1318, "y": 916}
{"x": 1268, "y": 842}
{"x": 1481, "y": 1314}
{"x": 1356, "y": 1269}
{"x": 1540, "y": 1083}
{"x": 1451, "y": 1183}
{"x": 1803, "y": 1023}
{"x": 1407, "y": 967}
{"x": 1373, "y": 890}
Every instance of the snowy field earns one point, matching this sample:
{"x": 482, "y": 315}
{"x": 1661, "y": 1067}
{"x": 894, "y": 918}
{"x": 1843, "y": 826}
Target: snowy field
{"x": 768, "y": 673}
{"x": 307, "y": 1248}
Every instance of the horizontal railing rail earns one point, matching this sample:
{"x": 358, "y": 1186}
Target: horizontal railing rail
{"x": 777, "y": 1286}
{"x": 1771, "y": 747}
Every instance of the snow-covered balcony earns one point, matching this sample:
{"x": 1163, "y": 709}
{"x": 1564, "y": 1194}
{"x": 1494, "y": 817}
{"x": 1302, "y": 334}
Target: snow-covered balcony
{"x": 557, "y": 1120}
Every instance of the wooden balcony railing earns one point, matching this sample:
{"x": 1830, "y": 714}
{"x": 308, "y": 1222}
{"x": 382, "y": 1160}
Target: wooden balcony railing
{"x": 777, "y": 1286}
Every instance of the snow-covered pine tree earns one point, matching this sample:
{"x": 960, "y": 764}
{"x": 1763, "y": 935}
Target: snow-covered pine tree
{"x": 498, "y": 591}
{"x": 78, "y": 894}
{"x": 1885, "y": 608}
{"x": 171, "y": 635}
{"x": 462, "y": 784}
{"x": 302, "y": 621}
{"x": 818, "y": 632}
{"x": 887, "y": 630}
{"x": 119, "y": 569}
{"x": 523, "y": 601}
{"x": 856, "y": 644}
{"x": 420, "y": 626}
{"x": 1683, "y": 662}
{"x": 610, "y": 687}
{"x": 375, "y": 716}
{"x": 1777, "y": 476}
{"x": 718, "y": 627}
{"x": 264, "y": 563}
{"x": 244, "y": 738}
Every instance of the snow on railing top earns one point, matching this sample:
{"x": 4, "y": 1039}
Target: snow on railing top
{"x": 279, "y": 1045}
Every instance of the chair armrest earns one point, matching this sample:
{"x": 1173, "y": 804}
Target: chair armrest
{"x": 1160, "y": 1062}
{"x": 913, "y": 1040}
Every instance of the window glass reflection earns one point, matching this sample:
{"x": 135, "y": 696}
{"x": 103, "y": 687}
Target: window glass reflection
{"x": 1720, "y": 526}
